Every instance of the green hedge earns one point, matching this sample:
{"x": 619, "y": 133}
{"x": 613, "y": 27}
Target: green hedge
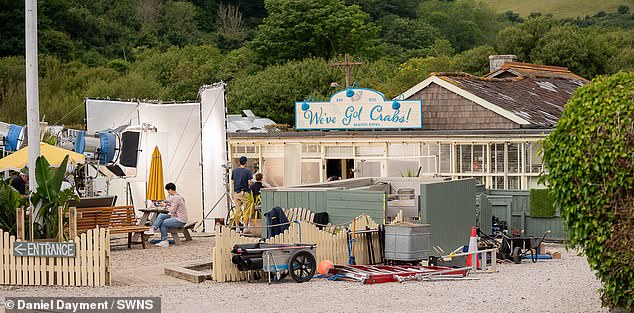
{"x": 590, "y": 166}
{"x": 542, "y": 203}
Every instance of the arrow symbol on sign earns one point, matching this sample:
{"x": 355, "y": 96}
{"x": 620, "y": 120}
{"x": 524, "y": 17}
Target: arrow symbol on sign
{"x": 19, "y": 249}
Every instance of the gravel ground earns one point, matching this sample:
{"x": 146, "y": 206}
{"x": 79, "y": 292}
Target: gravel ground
{"x": 565, "y": 285}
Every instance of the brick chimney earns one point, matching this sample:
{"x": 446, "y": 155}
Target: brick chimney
{"x": 496, "y": 61}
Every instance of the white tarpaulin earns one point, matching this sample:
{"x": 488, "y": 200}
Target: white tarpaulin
{"x": 104, "y": 114}
{"x": 192, "y": 141}
{"x": 181, "y": 160}
{"x": 214, "y": 152}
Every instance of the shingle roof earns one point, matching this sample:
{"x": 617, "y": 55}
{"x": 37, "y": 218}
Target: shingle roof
{"x": 538, "y": 99}
{"x": 528, "y": 69}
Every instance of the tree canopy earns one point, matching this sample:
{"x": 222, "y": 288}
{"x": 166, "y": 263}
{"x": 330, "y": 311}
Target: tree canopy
{"x": 294, "y": 30}
{"x": 166, "y": 49}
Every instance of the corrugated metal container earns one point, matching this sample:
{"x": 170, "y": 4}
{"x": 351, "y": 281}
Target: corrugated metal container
{"x": 407, "y": 242}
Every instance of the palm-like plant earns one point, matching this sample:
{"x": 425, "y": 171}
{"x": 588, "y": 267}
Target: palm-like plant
{"x": 10, "y": 201}
{"x": 49, "y": 197}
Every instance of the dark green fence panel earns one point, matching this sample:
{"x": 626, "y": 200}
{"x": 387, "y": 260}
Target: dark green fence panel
{"x": 344, "y": 205}
{"x": 313, "y": 200}
{"x": 449, "y": 207}
{"x": 485, "y": 217}
{"x": 521, "y": 219}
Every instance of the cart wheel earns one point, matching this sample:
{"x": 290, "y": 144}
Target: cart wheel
{"x": 302, "y": 266}
{"x": 517, "y": 255}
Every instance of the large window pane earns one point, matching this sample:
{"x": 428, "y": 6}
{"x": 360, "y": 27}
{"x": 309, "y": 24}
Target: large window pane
{"x": 513, "y": 183}
{"x": 464, "y": 158}
{"x": 248, "y": 151}
{"x": 514, "y": 157}
{"x": 310, "y": 172}
{"x": 311, "y": 151}
{"x": 339, "y": 152}
{"x": 497, "y": 158}
{"x": 274, "y": 171}
{"x": 445, "y": 158}
{"x": 273, "y": 151}
{"x": 479, "y": 160}
{"x": 403, "y": 150}
{"x": 402, "y": 168}
{"x": 533, "y": 158}
{"x": 429, "y": 165}
{"x": 370, "y": 151}
{"x": 367, "y": 168}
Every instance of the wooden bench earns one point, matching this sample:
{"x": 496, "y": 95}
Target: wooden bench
{"x": 123, "y": 220}
{"x": 118, "y": 219}
{"x": 182, "y": 230}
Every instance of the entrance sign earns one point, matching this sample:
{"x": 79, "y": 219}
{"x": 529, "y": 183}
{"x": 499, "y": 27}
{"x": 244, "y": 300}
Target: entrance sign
{"x": 358, "y": 108}
{"x": 52, "y": 249}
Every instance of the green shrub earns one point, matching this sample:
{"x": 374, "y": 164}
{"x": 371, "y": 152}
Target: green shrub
{"x": 590, "y": 160}
{"x": 10, "y": 201}
{"x": 541, "y": 203}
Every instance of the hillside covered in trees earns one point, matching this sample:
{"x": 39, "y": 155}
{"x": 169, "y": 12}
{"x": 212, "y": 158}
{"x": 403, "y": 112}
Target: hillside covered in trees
{"x": 274, "y": 52}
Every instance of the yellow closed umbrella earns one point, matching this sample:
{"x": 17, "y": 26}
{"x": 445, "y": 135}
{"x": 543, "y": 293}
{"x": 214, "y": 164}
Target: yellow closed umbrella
{"x": 155, "y": 190}
{"x": 54, "y": 155}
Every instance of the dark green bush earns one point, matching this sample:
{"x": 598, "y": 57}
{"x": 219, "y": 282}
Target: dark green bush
{"x": 541, "y": 203}
{"x": 590, "y": 157}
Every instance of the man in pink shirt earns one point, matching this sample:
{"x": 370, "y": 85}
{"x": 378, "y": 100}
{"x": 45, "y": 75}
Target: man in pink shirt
{"x": 176, "y": 218}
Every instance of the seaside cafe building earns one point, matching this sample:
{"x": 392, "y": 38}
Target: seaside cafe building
{"x": 449, "y": 125}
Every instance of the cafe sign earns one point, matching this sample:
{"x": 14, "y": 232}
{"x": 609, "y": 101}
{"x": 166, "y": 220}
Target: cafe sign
{"x": 358, "y": 108}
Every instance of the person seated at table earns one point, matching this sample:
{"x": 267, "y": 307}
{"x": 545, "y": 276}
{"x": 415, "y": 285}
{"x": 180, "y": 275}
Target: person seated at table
{"x": 176, "y": 218}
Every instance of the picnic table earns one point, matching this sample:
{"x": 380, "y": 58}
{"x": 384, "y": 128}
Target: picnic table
{"x": 149, "y": 214}
{"x": 153, "y": 212}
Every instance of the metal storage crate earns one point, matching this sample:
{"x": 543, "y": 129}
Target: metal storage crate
{"x": 407, "y": 242}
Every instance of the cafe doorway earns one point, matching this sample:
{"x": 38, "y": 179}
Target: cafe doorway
{"x": 339, "y": 169}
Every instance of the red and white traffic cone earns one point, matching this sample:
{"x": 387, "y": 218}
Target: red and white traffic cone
{"x": 473, "y": 248}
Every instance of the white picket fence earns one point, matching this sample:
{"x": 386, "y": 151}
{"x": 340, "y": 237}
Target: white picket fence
{"x": 89, "y": 267}
{"x": 330, "y": 246}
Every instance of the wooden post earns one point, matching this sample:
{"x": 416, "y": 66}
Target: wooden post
{"x": 31, "y": 218}
{"x": 72, "y": 223}
{"x": 20, "y": 223}
{"x": 60, "y": 223}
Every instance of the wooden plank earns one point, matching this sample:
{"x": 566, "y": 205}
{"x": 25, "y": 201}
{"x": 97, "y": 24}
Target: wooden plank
{"x": 37, "y": 271}
{"x": 25, "y": 270}
{"x": 58, "y": 271}
{"x": 3, "y": 254}
{"x": 31, "y": 273}
{"x": 50, "y": 270}
{"x": 82, "y": 261}
{"x": 95, "y": 258}
{"x": 17, "y": 268}
{"x": 102, "y": 257}
{"x": 20, "y": 223}
{"x": 64, "y": 280}
{"x": 89, "y": 257}
{"x": 73, "y": 263}
{"x": 72, "y": 222}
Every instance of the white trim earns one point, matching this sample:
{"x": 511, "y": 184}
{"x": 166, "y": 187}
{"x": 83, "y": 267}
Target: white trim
{"x": 455, "y": 89}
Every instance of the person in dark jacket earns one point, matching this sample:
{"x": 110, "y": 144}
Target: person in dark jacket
{"x": 242, "y": 181}
{"x": 255, "y": 188}
{"x": 276, "y": 217}
{"x": 19, "y": 183}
